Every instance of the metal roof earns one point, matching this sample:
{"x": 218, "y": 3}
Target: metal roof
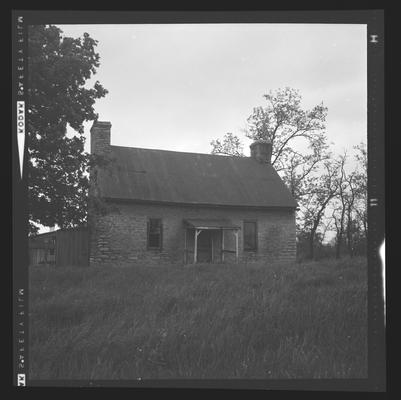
{"x": 192, "y": 178}
{"x": 211, "y": 224}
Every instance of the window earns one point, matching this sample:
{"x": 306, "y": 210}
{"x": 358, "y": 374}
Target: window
{"x": 250, "y": 235}
{"x": 154, "y": 233}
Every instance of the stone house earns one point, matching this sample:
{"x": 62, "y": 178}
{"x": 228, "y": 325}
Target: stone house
{"x": 168, "y": 207}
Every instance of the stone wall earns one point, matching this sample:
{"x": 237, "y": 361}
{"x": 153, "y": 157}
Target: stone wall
{"x": 120, "y": 236}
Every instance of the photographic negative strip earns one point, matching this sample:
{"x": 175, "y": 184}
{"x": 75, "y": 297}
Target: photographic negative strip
{"x": 199, "y": 199}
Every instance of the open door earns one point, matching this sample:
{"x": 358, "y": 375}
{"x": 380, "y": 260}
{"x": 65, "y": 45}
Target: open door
{"x": 204, "y": 254}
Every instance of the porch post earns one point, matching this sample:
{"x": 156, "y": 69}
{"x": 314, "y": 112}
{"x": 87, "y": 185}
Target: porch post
{"x": 196, "y": 245}
{"x": 222, "y": 245}
{"x": 212, "y": 239}
{"x": 185, "y": 246}
{"x": 197, "y": 232}
{"x": 236, "y": 245}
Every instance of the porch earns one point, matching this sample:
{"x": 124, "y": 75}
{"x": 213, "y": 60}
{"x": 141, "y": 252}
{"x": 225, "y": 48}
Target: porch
{"x": 210, "y": 240}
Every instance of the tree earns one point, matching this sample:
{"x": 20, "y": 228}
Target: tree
{"x": 322, "y": 189}
{"x": 350, "y": 199}
{"x": 58, "y": 96}
{"x": 299, "y": 151}
{"x": 282, "y": 121}
{"x": 230, "y": 146}
{"x": 349, "y": 212}
{"x": 299, "y": 166}
{"x": 361, "y": 181}
{"x": 339, "y": 209}
{"x": 285, "y": 123}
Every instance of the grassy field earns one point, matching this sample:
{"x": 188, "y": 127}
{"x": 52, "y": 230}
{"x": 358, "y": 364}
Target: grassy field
{"x": 304, "y": 320}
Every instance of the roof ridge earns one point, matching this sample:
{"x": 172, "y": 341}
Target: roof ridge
{"x": 181, "y": 152}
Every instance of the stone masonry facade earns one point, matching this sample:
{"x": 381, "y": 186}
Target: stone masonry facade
{"x": 120, "y": 236}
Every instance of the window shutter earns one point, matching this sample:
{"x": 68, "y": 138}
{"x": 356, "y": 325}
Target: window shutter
{"x": 155, "y": 232}
{"x": 250, "y": 234}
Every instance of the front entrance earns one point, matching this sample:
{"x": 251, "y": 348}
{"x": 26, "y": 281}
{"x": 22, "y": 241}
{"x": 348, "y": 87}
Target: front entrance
{"x": 208, "y": 240}
{"x": 205, "y": 254}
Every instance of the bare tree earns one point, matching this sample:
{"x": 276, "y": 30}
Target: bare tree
{"x": 349, "y": 209}
{"x": 299, "y": 166}
{"x": 313, "y": 178}
{"x": 338, "y": 213}
{"x": 230, "y": 146}
{"x": 322, "y": 190}
{"x": 350, "y": 203}
{"x": 283, "y": 122}
{"x": 361, "y": 181}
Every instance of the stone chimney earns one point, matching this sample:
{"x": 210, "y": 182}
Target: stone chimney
{"x": 261, "y": 151}
{"x": 100, "y": 137}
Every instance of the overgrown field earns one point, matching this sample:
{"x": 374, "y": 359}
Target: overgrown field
{"x": 304, "y": 320}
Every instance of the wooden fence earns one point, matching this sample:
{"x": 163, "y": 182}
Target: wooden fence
{"x": 71, "y": 248}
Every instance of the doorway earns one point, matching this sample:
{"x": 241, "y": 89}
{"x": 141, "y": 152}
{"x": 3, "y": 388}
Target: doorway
{"x": 204, "y": 253}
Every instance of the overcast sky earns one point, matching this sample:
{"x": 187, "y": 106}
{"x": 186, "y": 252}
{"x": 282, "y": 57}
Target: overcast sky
{"x": 179, "y": 86}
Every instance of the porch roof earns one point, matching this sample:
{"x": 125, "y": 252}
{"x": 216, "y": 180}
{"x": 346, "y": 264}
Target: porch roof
{"x": 210, "y": 224}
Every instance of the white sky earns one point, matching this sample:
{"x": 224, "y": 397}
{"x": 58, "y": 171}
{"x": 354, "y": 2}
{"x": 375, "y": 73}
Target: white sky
{"x": 179, "y": 86}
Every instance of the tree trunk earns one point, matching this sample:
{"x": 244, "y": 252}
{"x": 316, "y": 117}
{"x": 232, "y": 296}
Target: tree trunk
{"x": 338, "y": 245}
{"x": 340, "y": 235}
{"x": 349, "y": 239}
{"x": 341, "y": 231}
{"x": 312, "y": 245}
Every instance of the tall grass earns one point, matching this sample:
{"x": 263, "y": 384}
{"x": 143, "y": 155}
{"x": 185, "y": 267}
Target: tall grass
{"x": 207, "y": 321}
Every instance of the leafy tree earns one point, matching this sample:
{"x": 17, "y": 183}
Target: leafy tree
{"x": 58, "y": 96}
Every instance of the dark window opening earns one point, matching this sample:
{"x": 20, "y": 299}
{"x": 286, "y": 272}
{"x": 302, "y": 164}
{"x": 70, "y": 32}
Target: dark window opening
{"x": 250, "y": 235}
{"x": 154, "y": 233}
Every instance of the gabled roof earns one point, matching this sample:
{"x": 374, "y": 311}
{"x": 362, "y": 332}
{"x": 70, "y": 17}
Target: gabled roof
{"x": 191, "y": 178}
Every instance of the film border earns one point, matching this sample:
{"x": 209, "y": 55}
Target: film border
{"x": 374, "y": 19}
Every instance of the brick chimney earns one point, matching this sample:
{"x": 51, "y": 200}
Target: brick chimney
{"x": 261, "y": 151}
{"x": 100, "y": 137}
